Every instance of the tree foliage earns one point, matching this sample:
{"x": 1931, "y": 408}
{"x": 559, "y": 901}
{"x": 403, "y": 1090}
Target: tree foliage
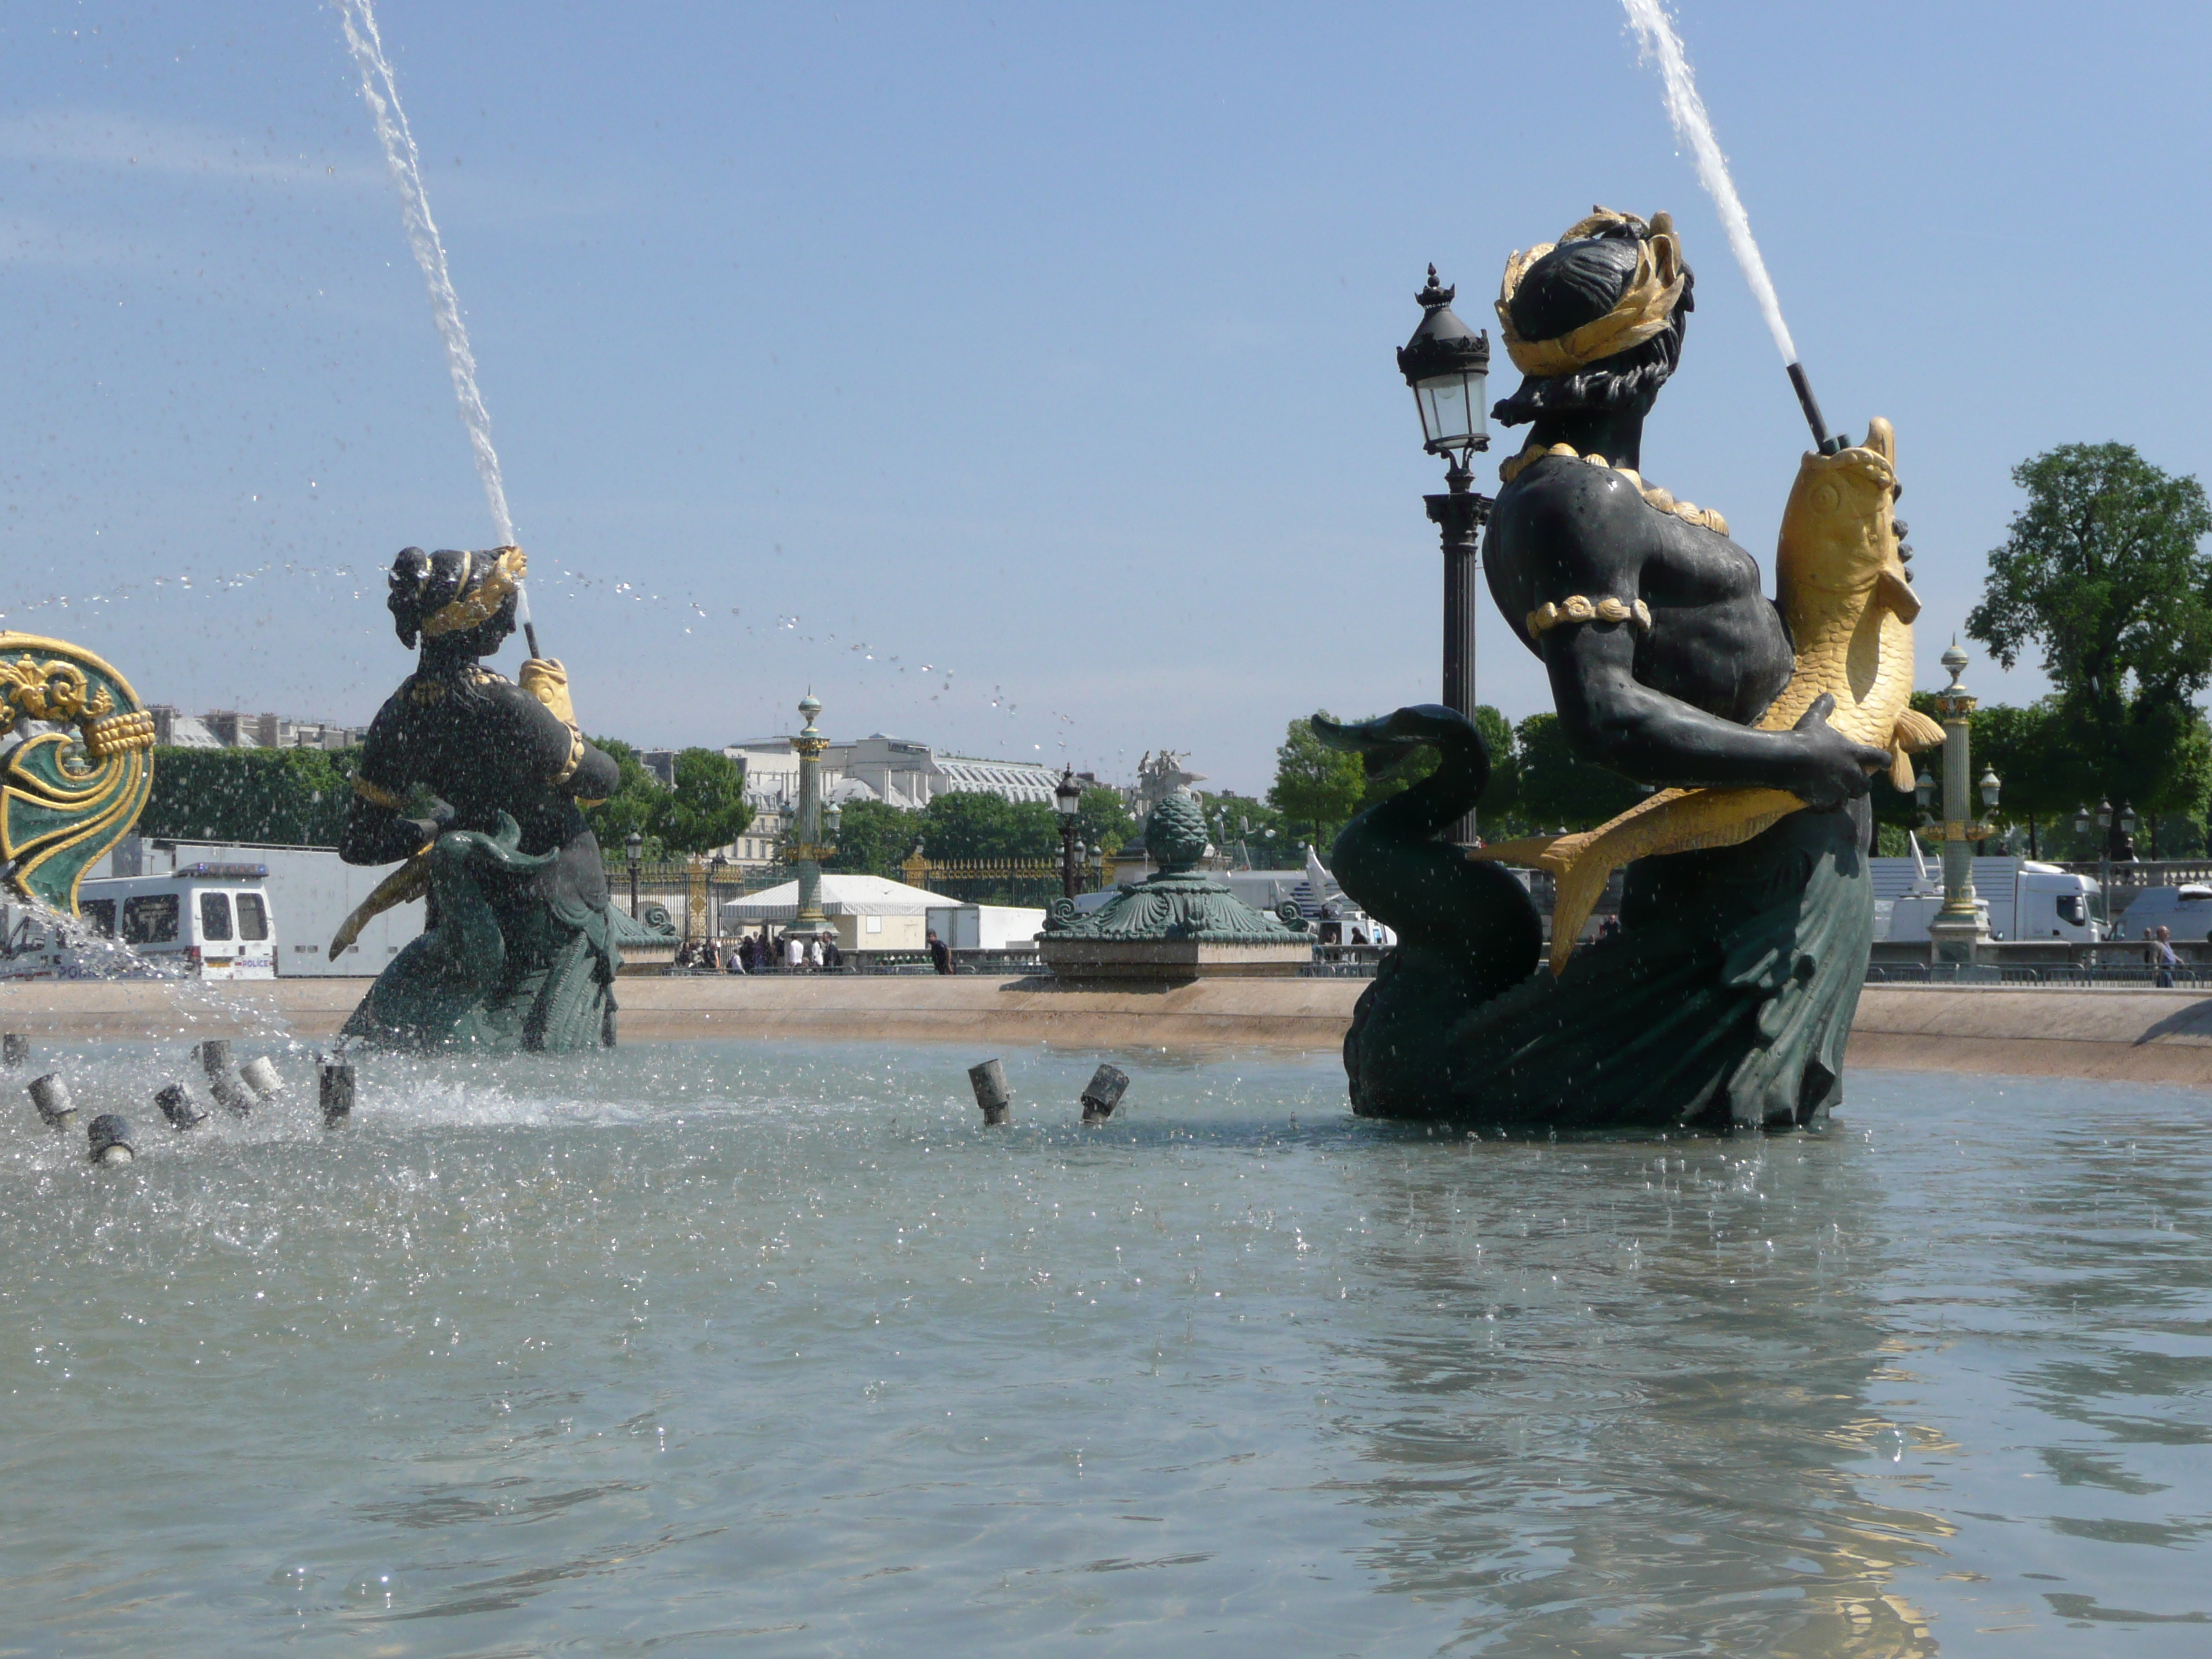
{"x": 2103, "y": 572}
{"x": 1558, "y": 787}
{"x": 282, "y": 797}
{"x": 707, "y": 808}
{"x": 1316, "y": 786}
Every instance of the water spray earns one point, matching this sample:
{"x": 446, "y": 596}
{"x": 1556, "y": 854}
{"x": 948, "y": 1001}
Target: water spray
{"x": 382, "y": 92}
{"x": 1694, "y": 127}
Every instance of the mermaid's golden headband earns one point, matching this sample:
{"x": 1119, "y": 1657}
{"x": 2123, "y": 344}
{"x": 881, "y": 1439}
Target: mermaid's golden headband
{"x": 1641, "y": 312}
{"x": 473, "y": 610}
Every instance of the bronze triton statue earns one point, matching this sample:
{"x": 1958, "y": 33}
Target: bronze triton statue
{"x": 477, "y": 783}
{"x": 1746, "y": 914}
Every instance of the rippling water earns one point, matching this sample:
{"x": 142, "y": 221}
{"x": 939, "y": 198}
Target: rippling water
{"x": 774, "y": 1350}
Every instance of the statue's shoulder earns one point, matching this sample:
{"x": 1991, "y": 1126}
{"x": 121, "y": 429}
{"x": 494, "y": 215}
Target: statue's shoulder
{"x": 1569, "y": 514}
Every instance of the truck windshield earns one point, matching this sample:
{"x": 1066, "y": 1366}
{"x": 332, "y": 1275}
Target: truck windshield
{"x": 150, "y": 919}
{"x": 253, "y": 917}
{"x": 214, "y": 917}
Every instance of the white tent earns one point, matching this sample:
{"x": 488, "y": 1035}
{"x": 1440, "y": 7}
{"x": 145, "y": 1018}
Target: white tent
{"x": 841, "y": 896}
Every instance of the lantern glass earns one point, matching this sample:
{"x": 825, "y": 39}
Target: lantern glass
{"x": 2082, "y": 821}
{"x": 2104, "y": 814}
{"x": 1990, "y": 785}
{"x": 1923, "y": 788}
{"x": 2127, "y": 820}
{"x": 1067, "y": 795}
{"x": 1451, "y": 408}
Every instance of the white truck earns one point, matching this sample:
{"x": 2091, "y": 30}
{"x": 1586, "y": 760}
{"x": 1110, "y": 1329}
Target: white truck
{"x": 2019, "y": 898}
{"x": 2185, "y": 911}
{"x": 207, "y": 920}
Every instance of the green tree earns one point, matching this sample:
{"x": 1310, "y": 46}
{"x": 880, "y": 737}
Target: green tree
{"x": 969, "y": 824}
{"x": 282, "y": 797}
{"x": 630, "y": 807}
{"x": 1101, "y": 819}
{"x": 1315, "y": 785}
{"x": 1558, "y": 787}
{"x": 874, "y": 840}
{"x": 2104, "y": 572}
{"x": 707, "y": 808}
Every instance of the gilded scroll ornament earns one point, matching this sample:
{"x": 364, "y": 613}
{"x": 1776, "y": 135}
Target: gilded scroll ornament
{"x": 75, "y": 765}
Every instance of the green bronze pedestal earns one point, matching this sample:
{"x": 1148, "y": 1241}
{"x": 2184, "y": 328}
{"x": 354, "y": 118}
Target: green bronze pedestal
{"x": 1179, "y": 925}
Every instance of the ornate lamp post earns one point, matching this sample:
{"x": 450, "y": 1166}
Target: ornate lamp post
{"x": 807, "y": 853}
{"x": 1448, "y": 365}
{"x": 714, "y": 868}
{"x": 2104, "y": 822}
{"x": 1067, "y": 800}
{"x": 1958, "y": 928}
{"x": 632, "y": 854}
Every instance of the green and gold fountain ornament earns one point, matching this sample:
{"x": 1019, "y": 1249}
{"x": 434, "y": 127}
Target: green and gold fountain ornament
{"x": 76, "y": 763}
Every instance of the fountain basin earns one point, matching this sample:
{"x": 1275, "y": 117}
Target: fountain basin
{"x": 605, "y": 1350}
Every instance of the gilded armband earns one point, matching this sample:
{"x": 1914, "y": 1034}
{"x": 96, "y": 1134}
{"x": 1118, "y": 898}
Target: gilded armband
{"x": 568, "y": 768}
{"x": 378, "y": 796}
{"x": 1576, "y": 609}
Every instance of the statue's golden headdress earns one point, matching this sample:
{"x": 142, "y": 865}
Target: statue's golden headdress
{"x": 1641, "y": 312}
{"x": 478, "y": 605}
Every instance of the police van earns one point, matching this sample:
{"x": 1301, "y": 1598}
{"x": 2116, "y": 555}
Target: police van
{"x": 207, "y": 920}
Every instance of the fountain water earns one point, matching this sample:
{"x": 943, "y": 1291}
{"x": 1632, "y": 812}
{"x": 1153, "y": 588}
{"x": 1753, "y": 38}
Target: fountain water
{"x": 1656, "y": 31}
{"x": 382, "y": 94}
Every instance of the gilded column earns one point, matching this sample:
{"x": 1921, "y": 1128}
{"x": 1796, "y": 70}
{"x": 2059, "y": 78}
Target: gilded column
{"x": 808, "y": 852}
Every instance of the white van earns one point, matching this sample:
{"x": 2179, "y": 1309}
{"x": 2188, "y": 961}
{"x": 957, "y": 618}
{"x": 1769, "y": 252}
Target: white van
{"x": 210, "y": 920}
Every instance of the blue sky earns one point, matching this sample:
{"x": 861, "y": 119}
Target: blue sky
{"x": 1048, "y": 347}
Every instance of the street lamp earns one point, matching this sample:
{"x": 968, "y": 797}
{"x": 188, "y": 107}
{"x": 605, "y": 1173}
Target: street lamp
{"x": 633, "y": 851}
{"x": 1446, "y": 365}
{"x": 1066, "y": 800}
{"x": 2104, "y": 861}
{"x": 716, "y": 866}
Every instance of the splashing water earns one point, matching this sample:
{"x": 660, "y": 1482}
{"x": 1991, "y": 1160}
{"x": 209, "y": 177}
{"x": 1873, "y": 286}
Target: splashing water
{"x": 1656, "y": 31}
{"x": 382, "y": 94}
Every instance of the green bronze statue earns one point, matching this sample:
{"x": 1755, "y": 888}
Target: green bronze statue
{"x": 1747, "y": 915}
{"x": 477, "y": 784}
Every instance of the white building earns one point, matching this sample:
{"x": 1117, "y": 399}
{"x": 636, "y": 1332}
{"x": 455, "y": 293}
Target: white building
{"x": 225, "y": 728}
{"x": 897, "y": 771}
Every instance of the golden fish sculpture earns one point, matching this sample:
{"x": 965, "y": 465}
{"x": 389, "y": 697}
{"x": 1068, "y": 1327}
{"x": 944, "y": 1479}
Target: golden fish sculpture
{"x": 1843, "y": 589}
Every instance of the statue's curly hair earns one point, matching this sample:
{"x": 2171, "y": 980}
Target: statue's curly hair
{"x": 1577, "y": 283}
{"x": 422, "y": 583}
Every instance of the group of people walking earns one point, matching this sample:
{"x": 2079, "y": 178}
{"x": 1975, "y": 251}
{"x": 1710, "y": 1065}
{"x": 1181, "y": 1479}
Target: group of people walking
{"x": 756, "y": 953}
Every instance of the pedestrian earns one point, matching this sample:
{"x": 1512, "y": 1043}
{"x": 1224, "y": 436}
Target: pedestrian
{"x": 794, "y": 953}
{"x": 940, "y": 956}
{"x": 832, "y": 958}
{"x": 2168, "y": 957}
{"x": 736, "y": 964}
{"x": 814, "y": 953}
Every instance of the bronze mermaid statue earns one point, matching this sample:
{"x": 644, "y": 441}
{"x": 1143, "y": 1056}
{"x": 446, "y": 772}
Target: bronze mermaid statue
{"x": 478, "y": 783}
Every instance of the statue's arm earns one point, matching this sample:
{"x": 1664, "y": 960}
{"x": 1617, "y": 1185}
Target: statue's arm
{"x": 1613, "y": 718}
{"x": 377, "y": 831}
{"x": 558, "y": 752}
{"x": 1589, "y": 544}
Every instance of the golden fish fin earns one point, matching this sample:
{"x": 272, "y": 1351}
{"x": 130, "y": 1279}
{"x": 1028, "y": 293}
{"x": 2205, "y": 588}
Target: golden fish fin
{"x": 1894, "y": 592}
{"x": 1581, "y": 885}
{"x": 1916, "y": 732}
{"x": 408, "y": 883}
{"x": 1881, "y": 437}
{"x": 1901, "y": 770}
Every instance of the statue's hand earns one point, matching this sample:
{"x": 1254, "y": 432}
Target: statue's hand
{"x": 1829, "y": 767}
{"x": 546, "y": 679}
{"x": 432, "y": 824}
